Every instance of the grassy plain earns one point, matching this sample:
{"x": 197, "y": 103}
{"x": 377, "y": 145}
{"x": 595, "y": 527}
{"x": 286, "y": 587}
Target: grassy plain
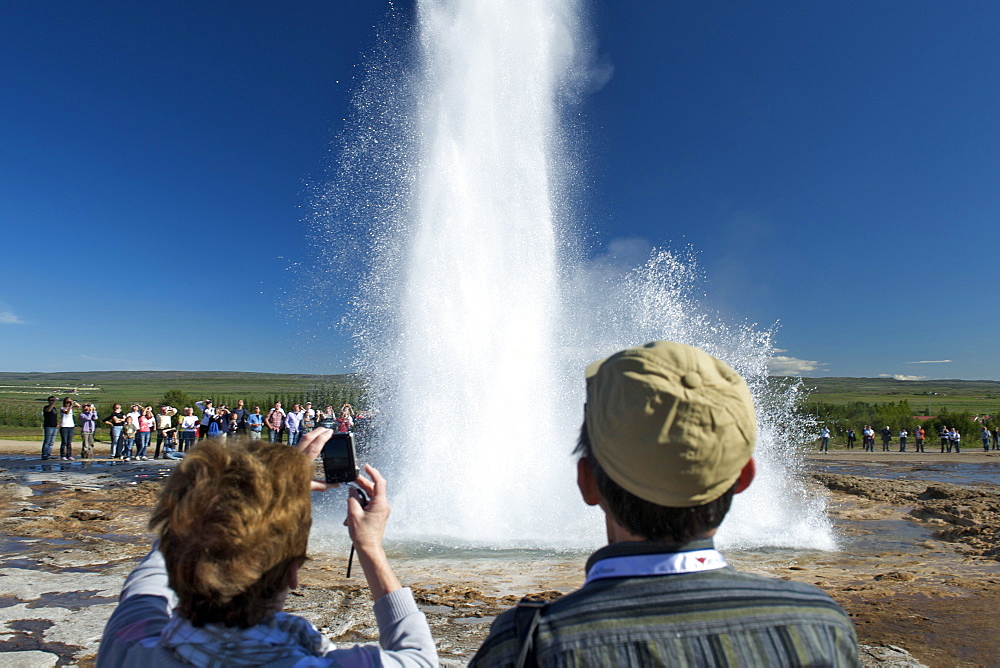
{"x": 975, "y": 396}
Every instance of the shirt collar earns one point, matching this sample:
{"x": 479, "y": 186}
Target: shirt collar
{"x": 647, "y": 547}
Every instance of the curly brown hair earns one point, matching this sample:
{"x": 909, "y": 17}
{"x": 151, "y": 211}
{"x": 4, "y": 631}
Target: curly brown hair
{"x": 233, "y": 520}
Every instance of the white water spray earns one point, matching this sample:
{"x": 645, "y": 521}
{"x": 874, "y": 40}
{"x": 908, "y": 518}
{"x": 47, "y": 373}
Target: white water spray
{"x": 476, "y": 320}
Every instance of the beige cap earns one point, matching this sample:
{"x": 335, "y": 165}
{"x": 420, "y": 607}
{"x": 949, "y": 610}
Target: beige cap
{"x": 670, "y": 423}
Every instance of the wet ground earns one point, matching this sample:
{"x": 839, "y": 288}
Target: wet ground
{"x": 917, "y": 567}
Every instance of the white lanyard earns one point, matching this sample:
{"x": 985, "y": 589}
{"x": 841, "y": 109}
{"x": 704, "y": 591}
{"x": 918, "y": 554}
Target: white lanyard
{"x": 657, "y": 564}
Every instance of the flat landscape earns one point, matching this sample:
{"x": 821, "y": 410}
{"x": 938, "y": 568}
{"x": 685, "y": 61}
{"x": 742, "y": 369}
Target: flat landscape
{"x": 974, "y": 396}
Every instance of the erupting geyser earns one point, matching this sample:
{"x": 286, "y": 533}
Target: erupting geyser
{"x": 477, "y": 313}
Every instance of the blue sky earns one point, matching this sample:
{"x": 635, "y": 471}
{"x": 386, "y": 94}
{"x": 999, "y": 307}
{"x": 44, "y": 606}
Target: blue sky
{"x": 834, "y": 165}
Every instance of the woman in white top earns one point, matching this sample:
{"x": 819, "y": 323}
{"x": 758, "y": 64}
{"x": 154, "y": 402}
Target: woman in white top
{"x": 189, "y": 429}
{"x": 66, "y": 428}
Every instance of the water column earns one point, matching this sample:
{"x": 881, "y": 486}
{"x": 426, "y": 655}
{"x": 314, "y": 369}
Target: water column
{"x": 476, "y": 396}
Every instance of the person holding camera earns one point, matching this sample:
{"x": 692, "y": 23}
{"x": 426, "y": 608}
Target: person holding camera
{"x": 116, "y": 421}
{"x": 164, "y": 423}
{"x": 232, "y": 526}
{"x": 207, "y": 413}
{"x": 667, "y": 441}
{"x": 67, "y": 427}
{"x": 88, "y": 425}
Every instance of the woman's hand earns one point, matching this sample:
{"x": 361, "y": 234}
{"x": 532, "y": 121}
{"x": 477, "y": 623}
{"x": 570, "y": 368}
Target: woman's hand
{"x": 311, "y": 445}
{"x": 366, "y": 523}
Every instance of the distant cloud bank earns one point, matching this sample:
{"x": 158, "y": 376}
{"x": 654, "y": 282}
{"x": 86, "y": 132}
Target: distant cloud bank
{"x": 900, "y": 376}
{"x": 931, "y": 362}
{"x": 9, "y": 318}
{"x": 782, "y": 365}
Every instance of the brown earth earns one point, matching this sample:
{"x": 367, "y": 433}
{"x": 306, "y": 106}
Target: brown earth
{"x": 935, "y": 595}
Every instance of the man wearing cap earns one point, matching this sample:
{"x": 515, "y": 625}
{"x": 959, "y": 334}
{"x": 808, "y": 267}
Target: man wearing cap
{"x": 667, "y": 440}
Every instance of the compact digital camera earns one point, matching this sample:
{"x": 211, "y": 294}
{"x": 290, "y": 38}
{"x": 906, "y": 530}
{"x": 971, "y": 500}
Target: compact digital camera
{"x": 340, "y": 461}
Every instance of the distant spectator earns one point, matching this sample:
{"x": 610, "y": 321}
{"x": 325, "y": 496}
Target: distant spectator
{"x": 945, "y": 435}
{"x": 147, "y": 423}
{"x": 886, "y": 438}
{"x": 128, "y": 437}
{"x": 345, "y": 421}
{"x": 308, "y": 419}
{"x": 955, "y": 438}
{"x": 189, "y": 429}
{"x": 275, "y": 422}
{"x": 255, "y": 423}
{"x": 234, "y": 425}
{"x": 241, "y": 414}
{"x": 116, "y": 421}
{"x": 293, "y": 424}
{"x": 902, "y": 439}
{"x": 869, "y": 434}
{"x": 50, "y": 427}
{"x": 207, "y": 413}
{"x": 164, "y": 422}
{"x": 984, "y": 434}
{"x": 170, "y": 445}
{"x": 88, "y": 425}
{"x": 918, "y": 438}
{"x": 327, "y": 418}
{"x": 824, "y": 439}
{"x": 996, "y": 438}
{"x": 67, "y": 426}
{"x": 851, "y": 438}
{"x": 218, "y": 424}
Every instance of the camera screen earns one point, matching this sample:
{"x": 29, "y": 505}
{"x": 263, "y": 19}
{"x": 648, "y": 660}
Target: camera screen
{"x": 339, "y": 463}
{"x": 335, "y": 451}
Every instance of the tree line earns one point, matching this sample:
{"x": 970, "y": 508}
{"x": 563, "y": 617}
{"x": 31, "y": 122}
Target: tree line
{"x": 897, "y": 415}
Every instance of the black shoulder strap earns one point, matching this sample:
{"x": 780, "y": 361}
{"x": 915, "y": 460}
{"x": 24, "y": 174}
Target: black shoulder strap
{"x": 527, "y": 615}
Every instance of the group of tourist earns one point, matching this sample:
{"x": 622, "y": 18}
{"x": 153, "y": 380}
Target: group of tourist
{"x": 951, "y": 438}
{"x": 131, "y": 433}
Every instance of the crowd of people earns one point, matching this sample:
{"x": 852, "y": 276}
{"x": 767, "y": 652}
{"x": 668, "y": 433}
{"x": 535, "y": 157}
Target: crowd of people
{"x": 131, "y": 433}
{"x": 951, "y": 438}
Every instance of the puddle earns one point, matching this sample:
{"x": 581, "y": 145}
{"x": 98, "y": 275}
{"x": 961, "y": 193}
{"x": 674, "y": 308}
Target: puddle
{"x": 71, "y": 600}
{"x": 957, "y": 473}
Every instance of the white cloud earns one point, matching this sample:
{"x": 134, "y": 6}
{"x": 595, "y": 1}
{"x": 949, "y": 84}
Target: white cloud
{"x": 931, "y": 362}
{"x": 782, "y": 365}
{"x": 900, "y": 376}
{"x": 9, "y": 318}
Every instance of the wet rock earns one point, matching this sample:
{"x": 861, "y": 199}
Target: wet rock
{"x": 12, "y": 490}
{"x": 887, "y": 656}
{"x": 88, "y": 514}
{"x": 29, "y": 659}
{"x": 896, "y": 576}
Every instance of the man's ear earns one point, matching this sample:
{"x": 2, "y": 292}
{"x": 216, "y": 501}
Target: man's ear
{"x": 585, "y": 481}
{"x": 746, "y": 476}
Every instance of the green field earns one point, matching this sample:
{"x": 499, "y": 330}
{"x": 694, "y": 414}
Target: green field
{"x": 22, "y": 395}
{"x": 974, "y": 396}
